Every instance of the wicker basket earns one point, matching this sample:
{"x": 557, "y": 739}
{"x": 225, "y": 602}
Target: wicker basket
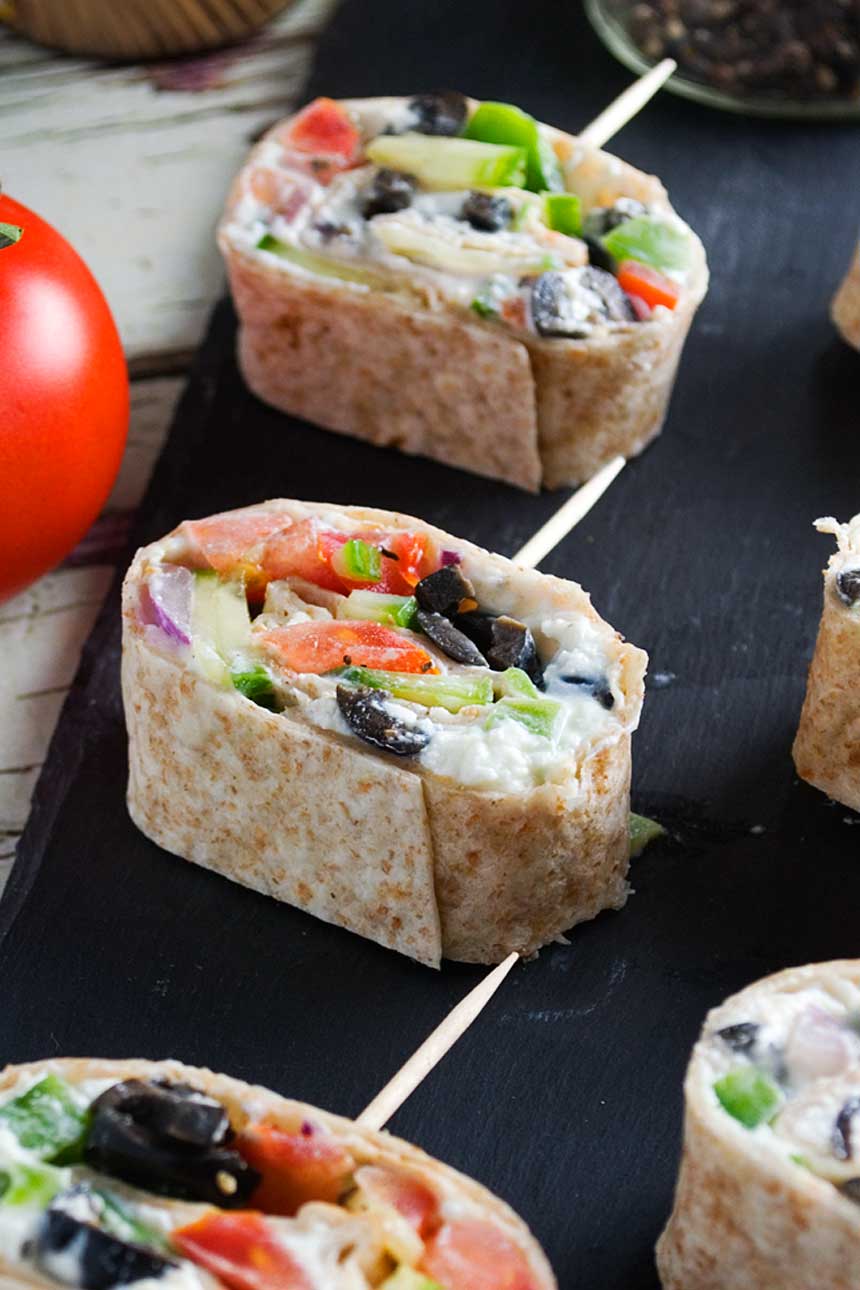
{"x": 140, "y": 28}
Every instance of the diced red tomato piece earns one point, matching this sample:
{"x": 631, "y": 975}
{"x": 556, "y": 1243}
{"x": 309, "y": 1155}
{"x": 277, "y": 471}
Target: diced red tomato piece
{"x": 226, "y": 541}
{"x": 322, "y": 646}
{"x": 325, "y": 128}
{"x": 648, "y": 284}
{"x": 308, "y": 1164}
{"x": 413, "y": 1199}
{"x": 416, "y": 557}
{"x": 242, "y": 1250}
{"x": 304, "y": 550}
{"x": 468, "y": 1254}
{"x": 513, "y": 311}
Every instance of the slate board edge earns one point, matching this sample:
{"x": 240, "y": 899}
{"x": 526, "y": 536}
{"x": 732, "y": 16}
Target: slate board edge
{"x": 65, "y": 750}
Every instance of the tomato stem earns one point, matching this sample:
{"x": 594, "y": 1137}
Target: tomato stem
{"x": 10, "y": 234}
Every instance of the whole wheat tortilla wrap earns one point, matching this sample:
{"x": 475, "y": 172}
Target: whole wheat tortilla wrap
{"x": 769, "y": 1183}
{"x": 846, "y": 304}
{"x": 827, "y": 745}
{"x": 402, "y": 358}
{"x": 486, "y": 816}
{"x": 144, "y": 1144}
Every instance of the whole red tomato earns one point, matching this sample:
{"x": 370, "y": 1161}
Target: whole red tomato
{"x": 63, "y": 399}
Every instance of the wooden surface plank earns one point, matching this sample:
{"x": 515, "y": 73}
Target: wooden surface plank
{"x": 132, "y": 164}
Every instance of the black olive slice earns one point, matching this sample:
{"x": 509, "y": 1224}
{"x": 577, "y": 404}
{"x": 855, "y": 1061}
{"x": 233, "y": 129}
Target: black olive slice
{"x": 390, "y": 191}
{"x": 598, "y": 255}
{"x": 172, "y": 1111}
{"x": 514, "y": 646}
{"x": 603, "y": 219}
{"x": 840, "y": 1139}
{"x": 456, "y": 644}
{"x": 616, "y": 302}
{"x": 488, "y": 212}
{"x": 741, "y": 1038}
{"x": 548, "y": 299}
{"x": 851, "y": 1189}
{"x": 596, "y": 686}
{"x": 368, "y": 715}
{"x": 157, "y": 1138}
{"x": 444, "y": 591}
{"x": 77, "y": 1253}
{"x": 504, "y": 641}
{"x": 848, "y": 586}
{"x": 439, "y": 112}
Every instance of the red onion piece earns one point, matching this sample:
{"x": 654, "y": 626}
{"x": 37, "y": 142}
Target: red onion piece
{"x": 450, "y": 557}
{"x": 165, "y": 601}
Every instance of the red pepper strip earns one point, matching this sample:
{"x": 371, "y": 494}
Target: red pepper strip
{"x": 649, "y": 285}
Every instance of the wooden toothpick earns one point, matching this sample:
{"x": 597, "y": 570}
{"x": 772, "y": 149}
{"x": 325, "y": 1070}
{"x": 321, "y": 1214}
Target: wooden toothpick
{"x": 567, "y": 515}
{"x": 434, "y": 1048}
{"x": 625, "y": 107}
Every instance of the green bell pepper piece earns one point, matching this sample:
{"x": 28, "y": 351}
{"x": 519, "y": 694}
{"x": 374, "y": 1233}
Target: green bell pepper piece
{"x": 649, "y": 241}
{"x": 749, "y": 1095}
{"x": 503, "y": 123}
{"x": 117, "y": 1220}
{"x": 451, "y": 692}
{"x": 257, "y": 686}
{"x": 48, "y": 1121}
{"x": 537, "y": 715}
{"x": 31, "y": 1185}
{"x": 563, "y": 212}
{"x": 643, "y": 831}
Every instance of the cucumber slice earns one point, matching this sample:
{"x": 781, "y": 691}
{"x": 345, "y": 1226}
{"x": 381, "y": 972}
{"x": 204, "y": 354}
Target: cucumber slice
{"x": 221, "y": 625}
{"x": 451, "y": 692}
{"x": 379, "y": 607}
{"x": 319, "y": 264}
{"x": 643, "y": 831}
{"x": 502, "y": 123}
{"x": 449, "y": 164}
{"x": 423, "y": 244}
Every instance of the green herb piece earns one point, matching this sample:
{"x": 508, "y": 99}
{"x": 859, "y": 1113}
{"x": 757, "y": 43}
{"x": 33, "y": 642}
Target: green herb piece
{"x": 48, "y": 1121}
{"x": 749, "y": 1095}
{"x": 31, "y": 1185}
{"x": 537, "y": 715}
{"x": 563, "y": 212}
{"x": 483, "y": 307}
{"x": 379, "y": 607}
{"x": 515, "y": 684}
{"x": 503, "y": 123}
{"x": 643, "y": 831}
{"x": 257, "y": 686}
{"x": 450, "y": 692}
{"x": 10, "y": 234}
{"x": 649, "y": 241}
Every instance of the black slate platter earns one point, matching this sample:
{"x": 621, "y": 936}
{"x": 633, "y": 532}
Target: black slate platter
{"x": 565, "y": 1096}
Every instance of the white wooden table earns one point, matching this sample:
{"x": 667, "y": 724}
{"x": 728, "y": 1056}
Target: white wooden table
{"x": 132, "y": 164}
